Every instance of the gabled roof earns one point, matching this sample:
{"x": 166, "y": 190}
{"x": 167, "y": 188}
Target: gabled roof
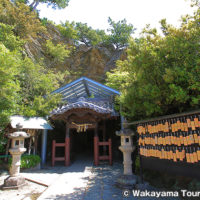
{"x": 30, "y": 122}
{"x": 85, "y": 104}
{"x": 85, "y": 87}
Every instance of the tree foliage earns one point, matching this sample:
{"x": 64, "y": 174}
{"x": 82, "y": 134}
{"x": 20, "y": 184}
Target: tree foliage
{"x": 120, "y": 33}
{"x": 25, "y": 23}
{"x": 82, "y": 33}
{"x": 68, "y": 31}
{"x": 118, "y": 36}
{"x": 56, "y": 4}
{"x": 162, "y": 72}
{"x": 36, "y": 83}
{"x": 57, "y": 53}
{"x": 9, "y": 40}
{"x": 87, "y": 35}
{"x": 25, "y": 86}
{"x": 9, "y": 86}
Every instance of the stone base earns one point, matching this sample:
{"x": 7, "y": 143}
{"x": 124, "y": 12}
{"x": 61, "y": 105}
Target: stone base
{"x": 13, "y": 182}
{"x": 126, "y": 181}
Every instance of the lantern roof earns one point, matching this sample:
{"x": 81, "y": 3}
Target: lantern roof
{"x": 19, "y": 134}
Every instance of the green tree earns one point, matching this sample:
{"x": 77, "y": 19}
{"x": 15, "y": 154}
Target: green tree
{"x": 36, "y": 83}
{"x": 9, "y": 88}
{"x": 8, "y": 38}
{"x": 162, "y": 73}
{"x": 57, "y": 53}
{"x": 67, "y": 29}
{"x": 25, "y": 86}
{"x": 56, "y": 4}
{"x": 87, "y": 35}
{"x": 25, "y": 23}
{"x": 9, "y": 85}
{"x": 120, "y": 33}
{"x": 82, "y": 33}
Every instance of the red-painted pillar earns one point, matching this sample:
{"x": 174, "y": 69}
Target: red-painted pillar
{"x": 96, "y": 150}
{"x": 110, "y": 151}
{"x": 67, "y": 147}
{"x": 53, "y": 152}
{"x": 96, "y": 145}
{"x": 67, "y": 151}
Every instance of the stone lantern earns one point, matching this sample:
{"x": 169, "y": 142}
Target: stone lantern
{"x": 127, "y": 180}
{"x": 14, "y": 181}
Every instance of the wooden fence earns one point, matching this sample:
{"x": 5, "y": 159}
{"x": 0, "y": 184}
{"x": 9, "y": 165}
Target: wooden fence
{"x": 171, "y": 143}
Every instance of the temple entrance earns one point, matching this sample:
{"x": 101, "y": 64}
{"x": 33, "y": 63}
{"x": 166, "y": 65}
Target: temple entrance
{"x": 89, "y": 107}
{"x": 81, "y": 143}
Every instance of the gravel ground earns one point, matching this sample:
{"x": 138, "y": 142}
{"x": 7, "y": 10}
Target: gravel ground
{"x": 30, "y": 191}
{"x": 80, "y": 181}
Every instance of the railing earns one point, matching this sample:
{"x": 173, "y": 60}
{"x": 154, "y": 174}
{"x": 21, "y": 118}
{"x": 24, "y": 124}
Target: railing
{"x": 98, "y": 157}
{"x": 66, "y": 157}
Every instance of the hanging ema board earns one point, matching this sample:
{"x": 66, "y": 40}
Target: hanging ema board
{"x": 171, "y": 143}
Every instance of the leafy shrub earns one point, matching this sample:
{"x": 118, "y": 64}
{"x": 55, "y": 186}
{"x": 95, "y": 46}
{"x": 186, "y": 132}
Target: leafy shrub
{"x": 57, "y": 52}
{"x": 27, "y": 161}
{"x": 26, "y": 23}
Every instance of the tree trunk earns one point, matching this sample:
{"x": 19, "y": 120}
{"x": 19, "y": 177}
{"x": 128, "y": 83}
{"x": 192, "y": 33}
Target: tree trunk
{"x": 34, "y": 4}
{"x": 35, "y": 144}
{"x": 29, "y": 147}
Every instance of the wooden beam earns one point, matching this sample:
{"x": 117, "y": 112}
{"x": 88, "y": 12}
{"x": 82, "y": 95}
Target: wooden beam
{"x": 67, "y": 134}
{"x": 104, "y": 136}
{"x": 96, "y": 130}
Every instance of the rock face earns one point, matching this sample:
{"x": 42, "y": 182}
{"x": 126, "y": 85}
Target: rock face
{"x": 92, "y": 62}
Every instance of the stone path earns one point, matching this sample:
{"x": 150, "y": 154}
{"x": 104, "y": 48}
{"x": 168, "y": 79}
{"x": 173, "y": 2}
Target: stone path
{"x": 82, "y": 181}
{"x": 71, "y": 183}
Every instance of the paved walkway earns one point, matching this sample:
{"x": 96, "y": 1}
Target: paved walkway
{"x": 81, "y": 181}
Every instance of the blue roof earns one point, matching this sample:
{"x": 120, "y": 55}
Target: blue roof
{"x": 99, "y": 107}
{"x": 85, "y": 87}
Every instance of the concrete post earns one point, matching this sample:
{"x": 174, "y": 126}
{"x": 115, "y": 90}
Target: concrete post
{"x": 44, "y": 147}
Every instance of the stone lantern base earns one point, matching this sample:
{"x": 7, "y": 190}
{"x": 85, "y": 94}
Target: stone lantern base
{"x": 13, "y": 182}
{"x": 127, "y": 181}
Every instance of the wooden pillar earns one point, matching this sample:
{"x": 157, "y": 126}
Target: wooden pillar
{"x": 53, "y": 152}
{"x": 110, "y": 151}
{"x": 104, "y": 136}
{"x": 67, "y": 146}
{"x": 104, "y": 130}
{"x": 96, "y": 146}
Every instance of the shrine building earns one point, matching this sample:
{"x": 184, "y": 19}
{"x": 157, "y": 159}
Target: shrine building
{"x": 85, "y": 122}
